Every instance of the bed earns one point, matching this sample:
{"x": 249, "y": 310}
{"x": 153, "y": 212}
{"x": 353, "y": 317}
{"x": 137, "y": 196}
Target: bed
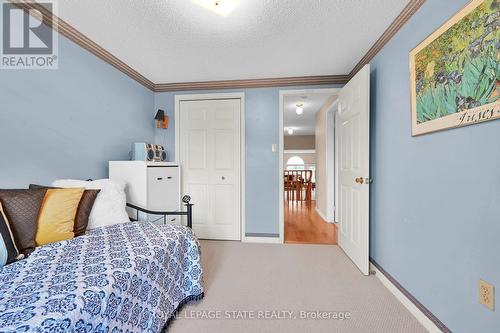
{"x": 129, "y": 277}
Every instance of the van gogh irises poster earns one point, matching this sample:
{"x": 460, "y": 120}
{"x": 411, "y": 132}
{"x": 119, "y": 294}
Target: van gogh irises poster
{"x": 455, "y": 72}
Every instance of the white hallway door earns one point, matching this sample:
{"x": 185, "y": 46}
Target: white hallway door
{"x": 210, "y": 160}
{"x": 353, "y": 153}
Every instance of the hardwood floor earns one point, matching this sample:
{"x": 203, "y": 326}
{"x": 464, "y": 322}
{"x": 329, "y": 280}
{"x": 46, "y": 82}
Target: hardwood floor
{"x": 304, "y": 225}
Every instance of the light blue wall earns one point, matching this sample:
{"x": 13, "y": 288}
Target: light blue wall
{"x": 261, "y": 164}
{"x": 435, "y": 199}
{"x": 69, "y": 122}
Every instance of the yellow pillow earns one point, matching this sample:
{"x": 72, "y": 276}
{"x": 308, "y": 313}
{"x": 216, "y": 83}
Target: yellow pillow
{"x": 56, "y": 218}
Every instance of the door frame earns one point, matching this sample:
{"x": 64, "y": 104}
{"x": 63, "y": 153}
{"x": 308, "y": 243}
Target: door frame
{"x": 281, "y": 148}
{"x": 331, "y": 163}
{"x": 214, "y": 96}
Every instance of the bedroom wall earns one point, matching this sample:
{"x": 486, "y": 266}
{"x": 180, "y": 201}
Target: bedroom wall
{"x": 67, "y": 123}
{"x": 435, "y": 212}
{"x": 261, "y": 164}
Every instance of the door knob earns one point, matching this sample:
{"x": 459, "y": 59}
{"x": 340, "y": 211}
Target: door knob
{"x": 359, "y": 180}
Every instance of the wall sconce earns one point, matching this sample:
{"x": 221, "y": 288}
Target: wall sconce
{"x": 161, "y": 119}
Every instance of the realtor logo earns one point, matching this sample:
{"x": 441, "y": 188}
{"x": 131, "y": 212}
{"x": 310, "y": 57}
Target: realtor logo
{"x": 28, "y": 41}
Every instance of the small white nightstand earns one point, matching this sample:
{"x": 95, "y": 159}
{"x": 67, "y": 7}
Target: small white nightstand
{"x": 151, "y": 185}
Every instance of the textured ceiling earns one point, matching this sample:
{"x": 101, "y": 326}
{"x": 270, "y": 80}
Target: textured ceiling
{"x": 177, "y": 41}
{"x": 305, "y": 123}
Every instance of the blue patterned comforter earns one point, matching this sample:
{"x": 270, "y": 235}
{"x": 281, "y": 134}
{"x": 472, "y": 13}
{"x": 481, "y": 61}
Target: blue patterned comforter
{"x": 122, "y": 278}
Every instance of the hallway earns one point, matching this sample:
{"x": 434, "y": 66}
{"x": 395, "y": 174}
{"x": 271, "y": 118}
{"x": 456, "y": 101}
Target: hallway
{"x": 304, "y": 225}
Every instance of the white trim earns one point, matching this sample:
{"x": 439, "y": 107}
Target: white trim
{"x": 320, "y": 213}
{"x": 331, "y": 163}
{"x": 235, "y": 95}
{"x": 266, "y": 240}
{"x": 336, "y": 159}
{"x": 300, "y": 151}
{"x": 242, "y": 166}
{"x": 284, "y": 93}
{"x": 419, "y": 315}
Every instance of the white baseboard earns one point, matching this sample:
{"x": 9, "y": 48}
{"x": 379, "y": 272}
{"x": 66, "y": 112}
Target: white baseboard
{"x": 267, "y": 240}
{"x": 419, "y": 315}
{"x": 320, "y": 213}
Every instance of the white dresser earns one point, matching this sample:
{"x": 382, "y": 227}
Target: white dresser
{"x": 151, "y": 185}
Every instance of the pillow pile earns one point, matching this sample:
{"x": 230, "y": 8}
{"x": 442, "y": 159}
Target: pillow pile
{"x": 41, "y": 215}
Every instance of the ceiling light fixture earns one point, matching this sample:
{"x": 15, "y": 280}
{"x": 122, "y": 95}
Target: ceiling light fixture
{"x": 221, "y": 7}
{"x": 290, "y": 131}
{"x": 299, "y": 109}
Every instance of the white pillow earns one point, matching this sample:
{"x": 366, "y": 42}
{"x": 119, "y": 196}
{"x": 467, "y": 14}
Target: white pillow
{"x": 109, "y": 206}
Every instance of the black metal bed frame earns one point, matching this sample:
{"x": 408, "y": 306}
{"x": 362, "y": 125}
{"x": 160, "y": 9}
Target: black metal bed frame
{"x": 188, "y": 212}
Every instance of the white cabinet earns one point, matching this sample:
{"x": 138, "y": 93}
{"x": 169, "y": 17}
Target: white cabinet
{"x": 151, "y": 185}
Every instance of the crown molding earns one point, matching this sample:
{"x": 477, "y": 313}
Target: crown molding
{"x": 403, "y": 17}
{"x": 253, "y": 83}
{"x": 83, "y": 41}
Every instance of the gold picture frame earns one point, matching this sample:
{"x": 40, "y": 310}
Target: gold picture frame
{"x": 454, "y": 72}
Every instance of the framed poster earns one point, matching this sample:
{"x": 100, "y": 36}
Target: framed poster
{"x": 455, "y": 72}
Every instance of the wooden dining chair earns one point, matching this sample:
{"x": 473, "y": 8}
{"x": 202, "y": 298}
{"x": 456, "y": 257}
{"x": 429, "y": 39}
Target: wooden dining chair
{"x": 298, "y": 185}
{"x": 308, "y": 184}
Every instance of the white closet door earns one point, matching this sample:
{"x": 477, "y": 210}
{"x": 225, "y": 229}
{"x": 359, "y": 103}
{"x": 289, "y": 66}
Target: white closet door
{"x": 210, "y": 159}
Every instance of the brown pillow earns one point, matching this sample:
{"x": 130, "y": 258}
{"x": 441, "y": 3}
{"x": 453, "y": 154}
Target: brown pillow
{"x": 21, "y": 208}
{"x": 84, "y": 208}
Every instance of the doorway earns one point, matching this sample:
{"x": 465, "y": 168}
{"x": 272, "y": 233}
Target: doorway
{"x": 303, "y": 165}
{"x": 352, "y": 179}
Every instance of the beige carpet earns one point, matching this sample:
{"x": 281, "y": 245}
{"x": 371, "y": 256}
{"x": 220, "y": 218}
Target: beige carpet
{"x": 244, "y": 280}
